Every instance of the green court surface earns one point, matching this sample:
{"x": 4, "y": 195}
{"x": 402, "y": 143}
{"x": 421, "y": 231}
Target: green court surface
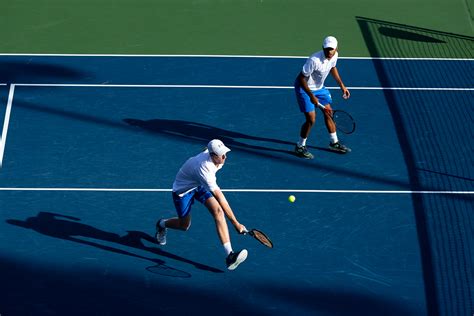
{"x": 257, "y": 27}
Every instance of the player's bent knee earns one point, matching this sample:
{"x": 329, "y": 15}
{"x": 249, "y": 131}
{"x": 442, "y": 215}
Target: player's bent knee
{"x": 219, "y": 218}
{"x": 216, "y": 211}
{"x": 219, "y": 214}
{"x": 186, "y": 227}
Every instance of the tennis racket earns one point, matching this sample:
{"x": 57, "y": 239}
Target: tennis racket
{"x": 343, "y": 120}
{"x": 260, "y": 236}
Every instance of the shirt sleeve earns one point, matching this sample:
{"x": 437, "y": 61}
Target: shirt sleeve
{"x": 208, "y": 178}
{"x": 308, "y": 67}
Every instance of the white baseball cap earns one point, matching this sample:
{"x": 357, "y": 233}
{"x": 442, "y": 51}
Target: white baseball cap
{"x": 217, "y": 147}
{"x": 330, "y": 41}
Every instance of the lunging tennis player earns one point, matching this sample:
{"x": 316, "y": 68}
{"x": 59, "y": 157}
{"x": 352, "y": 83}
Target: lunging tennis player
{"x": 197, "y": 180}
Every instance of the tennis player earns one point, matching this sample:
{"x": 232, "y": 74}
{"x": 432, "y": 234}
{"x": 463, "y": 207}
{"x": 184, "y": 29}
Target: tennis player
{"x": 196, "y": 180}
{"x": 309, "y": 89}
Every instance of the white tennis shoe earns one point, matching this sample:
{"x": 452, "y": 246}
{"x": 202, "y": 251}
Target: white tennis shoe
{"x": 161, "y": 234}
{"x": 235, "y": 258}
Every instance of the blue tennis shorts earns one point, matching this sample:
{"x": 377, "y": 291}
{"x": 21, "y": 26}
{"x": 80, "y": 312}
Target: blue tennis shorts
{"x": 323, "y": 95}
{"x": 183, "y": 203}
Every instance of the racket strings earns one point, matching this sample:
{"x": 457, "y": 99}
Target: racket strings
{"x": 344, "y": 121}
{"x": 263, "y": 239}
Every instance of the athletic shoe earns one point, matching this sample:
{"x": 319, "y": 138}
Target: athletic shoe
{"x": 235, "y": 258}
{"x": 160, "y": 234}
{"x": 302, "y": 151}
{"x": 338, "y": 147}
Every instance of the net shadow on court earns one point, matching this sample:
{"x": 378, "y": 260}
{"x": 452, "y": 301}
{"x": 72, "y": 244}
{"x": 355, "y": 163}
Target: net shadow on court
{"x": 444, "y": 223}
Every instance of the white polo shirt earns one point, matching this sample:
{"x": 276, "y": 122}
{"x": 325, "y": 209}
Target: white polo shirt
{"x": 317, "y": 68}
{"x": 197, "y": 171}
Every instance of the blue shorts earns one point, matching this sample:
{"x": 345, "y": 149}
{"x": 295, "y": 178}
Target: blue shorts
{"x": 323, "y": 95}
{"x": 183, "y": 204}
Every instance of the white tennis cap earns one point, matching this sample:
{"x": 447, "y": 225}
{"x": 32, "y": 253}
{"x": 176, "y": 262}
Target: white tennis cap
{"x": 330, "y": 41}
{"x": 217, "y": 147}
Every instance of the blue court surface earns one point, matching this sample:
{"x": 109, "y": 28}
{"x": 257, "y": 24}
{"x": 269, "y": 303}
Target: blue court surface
{"x": 91, "y": 145}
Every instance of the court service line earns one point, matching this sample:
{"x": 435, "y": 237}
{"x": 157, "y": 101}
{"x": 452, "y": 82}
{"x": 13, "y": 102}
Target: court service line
{"x": 229, "y": 56}
{"x": 6, "y": 122}
{"x": 244, "y": 190}
{"x": 221, "y": 86}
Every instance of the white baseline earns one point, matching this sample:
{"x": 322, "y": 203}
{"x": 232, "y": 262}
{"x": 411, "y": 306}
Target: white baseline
{"x": 225, "y": 56}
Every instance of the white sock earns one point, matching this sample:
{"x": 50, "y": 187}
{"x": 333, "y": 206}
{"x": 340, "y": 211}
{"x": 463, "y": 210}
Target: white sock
{"x": 302, "y": 142}
{"x": 227, "y": 248}
{"x": 162, "y": 223}
{"x": 333, "y": 137}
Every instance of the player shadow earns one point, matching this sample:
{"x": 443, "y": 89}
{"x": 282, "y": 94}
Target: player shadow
{"x": 15, "y": 71}
{"x": 202, "y": 139}
{"x": 68, "y": 228}
{"x": 203, "y": 133}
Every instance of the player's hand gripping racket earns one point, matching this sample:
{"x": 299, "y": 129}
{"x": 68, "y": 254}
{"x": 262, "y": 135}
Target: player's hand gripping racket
{"x": 260, "y": 236}
{"x": 343, "y": 120}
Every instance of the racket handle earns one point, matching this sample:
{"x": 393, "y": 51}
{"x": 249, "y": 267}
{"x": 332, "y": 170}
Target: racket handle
{"x": 322, "y": 107}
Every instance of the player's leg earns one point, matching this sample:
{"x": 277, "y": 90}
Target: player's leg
{"x": 182, "y": 222}
{"x": 300, "y": 149}
{"x": 308, "y": 109}
{"x": 330, "y": 125}
{"x": 219, "y": 218}
{"x": 179, "y": 223}
{"x": 324, "y": 97}
{"x": 310, "y": 119}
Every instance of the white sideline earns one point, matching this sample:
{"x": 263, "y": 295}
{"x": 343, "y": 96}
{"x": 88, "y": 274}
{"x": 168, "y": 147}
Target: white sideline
{"x": 6, "y": 122}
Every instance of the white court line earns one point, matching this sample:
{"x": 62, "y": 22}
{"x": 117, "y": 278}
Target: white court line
{"x": 3, "y": 84}
{"x": 3, "y": 140}
{"x": 222, "y": 86}
{"x": 245, "y": 190}
{"x": 227, "y": 56}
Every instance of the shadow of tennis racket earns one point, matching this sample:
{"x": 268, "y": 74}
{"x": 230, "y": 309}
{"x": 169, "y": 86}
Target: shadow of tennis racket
{"x": 163, "y": 269}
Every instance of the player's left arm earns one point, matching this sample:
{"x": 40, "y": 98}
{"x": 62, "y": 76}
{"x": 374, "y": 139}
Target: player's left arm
{"x": 345, "y": 92}
{"x": 220, "y": 197}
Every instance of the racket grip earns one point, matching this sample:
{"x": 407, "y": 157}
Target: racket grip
{"x": 322, "y": 107}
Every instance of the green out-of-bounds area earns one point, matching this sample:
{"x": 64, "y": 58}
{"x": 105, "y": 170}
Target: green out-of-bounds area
{"x": 410, "y": 28}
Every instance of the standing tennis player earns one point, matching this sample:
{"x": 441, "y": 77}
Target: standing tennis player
{"x": 196, "y": 180}
{"x": 310, "y": 89}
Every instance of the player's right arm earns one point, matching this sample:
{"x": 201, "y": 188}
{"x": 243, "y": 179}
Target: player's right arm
{"x": 221, "y": 199}
{"x": 303, "y": 81}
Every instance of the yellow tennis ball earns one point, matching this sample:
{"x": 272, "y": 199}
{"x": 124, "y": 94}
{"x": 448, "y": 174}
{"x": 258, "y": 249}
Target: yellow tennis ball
{"x": 291, "y": 198}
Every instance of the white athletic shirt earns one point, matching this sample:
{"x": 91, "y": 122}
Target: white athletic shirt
{"x": 197, "y": 171}
{"x": 317, "y": 68}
